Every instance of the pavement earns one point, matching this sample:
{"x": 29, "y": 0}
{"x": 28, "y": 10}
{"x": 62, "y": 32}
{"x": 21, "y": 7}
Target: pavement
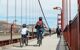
{"x": 49, "y": 43}
{"x": 62, "y": 44}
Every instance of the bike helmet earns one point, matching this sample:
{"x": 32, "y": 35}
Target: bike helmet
{"x": 24, "y": 25}
{"x": 40, "y": 18}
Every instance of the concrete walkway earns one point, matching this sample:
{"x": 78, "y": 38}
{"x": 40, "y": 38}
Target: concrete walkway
{"x": 49, "y": 43}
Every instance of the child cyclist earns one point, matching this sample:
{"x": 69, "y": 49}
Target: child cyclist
{"x": 40, "y": 29}
{"x": 24, "y": 34}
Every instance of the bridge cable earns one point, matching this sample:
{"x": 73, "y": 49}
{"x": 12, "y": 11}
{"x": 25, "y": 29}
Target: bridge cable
{"x": 21, "y": 12}
{"x": 43, "y": 13}
{"x": 7, "y": 13}
{"x": 26, "y": 12}
{"x": 15, "y": 11}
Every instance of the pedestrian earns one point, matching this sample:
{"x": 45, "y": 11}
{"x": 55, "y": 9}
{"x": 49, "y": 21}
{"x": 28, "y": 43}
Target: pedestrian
{"x": 40, "y": 29}
{"x": 24, "y": 34}
{"x": 50, "y": 31}
{"x": 58, "y": 31}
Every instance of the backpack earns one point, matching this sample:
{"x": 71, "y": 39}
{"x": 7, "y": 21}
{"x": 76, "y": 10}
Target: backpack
{"x": 39, "y": 25}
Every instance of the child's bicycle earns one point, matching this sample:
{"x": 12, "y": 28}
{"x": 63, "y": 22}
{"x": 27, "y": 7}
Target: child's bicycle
{"x": 22, "y": 42}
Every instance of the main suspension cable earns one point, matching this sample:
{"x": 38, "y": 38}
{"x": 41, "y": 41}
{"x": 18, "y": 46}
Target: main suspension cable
{"x": 43, "y": 12}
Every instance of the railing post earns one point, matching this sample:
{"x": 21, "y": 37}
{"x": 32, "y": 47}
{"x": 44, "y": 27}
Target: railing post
{"x": 11, "y": 32}
{"x": 78, "y": 24}
{"x": 62, "y": 16}
{"x": 32, "y": 32}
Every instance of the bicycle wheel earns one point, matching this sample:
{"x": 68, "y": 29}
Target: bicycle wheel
{"x": 40, "y": 41}
{"x": 20, "y": 42}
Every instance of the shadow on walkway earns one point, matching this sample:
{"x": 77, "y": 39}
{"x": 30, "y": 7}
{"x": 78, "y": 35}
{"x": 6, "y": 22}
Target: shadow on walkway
{"x": 61, "y": 45}
{"x": 58, "y": 46}
{"x": 35, "y": 45}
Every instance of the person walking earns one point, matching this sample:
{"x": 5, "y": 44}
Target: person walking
{"x": 50, "y": 31}
{"x": 58, "y": 31}
{"x": 40, "y": 29}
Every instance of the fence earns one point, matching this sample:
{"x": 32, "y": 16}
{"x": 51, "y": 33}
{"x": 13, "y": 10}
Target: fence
{"x": 71, "y": 34}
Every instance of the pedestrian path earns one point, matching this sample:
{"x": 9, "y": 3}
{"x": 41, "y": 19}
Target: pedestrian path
{"x": 49, "y": 43}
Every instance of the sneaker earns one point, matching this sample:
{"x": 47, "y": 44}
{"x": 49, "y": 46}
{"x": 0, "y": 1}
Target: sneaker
{"x": 26, "y": 44}
{"x": 37, "y": 42}
{"x": 21, "y": 46}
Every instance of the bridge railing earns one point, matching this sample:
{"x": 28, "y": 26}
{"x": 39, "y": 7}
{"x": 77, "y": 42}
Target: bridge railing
{"x": 71, "y": 34}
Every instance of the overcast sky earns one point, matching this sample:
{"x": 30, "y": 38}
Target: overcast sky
{"x": 31, "y": 10}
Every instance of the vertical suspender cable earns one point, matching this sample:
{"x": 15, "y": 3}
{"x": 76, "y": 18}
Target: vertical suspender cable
{"x": 62, "y": 14}
{"x": 7, "y": 14}
{"x": 21, "y": 18}
{"x": 15, "y": 11}
{"x": 36, "y": 12}
{"x": 26, "y": 11}
{"x": 32, "y": 14}
{"x": 21, "y": 12}
{"x": 69, "y": 9}
{"x": 43, "y": 12}
{"x": 29, "y": 13}
{"x": 57, "y": 20}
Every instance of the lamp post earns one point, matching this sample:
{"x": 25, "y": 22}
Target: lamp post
{"x": 13, "y": 27}
{"x": 59, "y": 8}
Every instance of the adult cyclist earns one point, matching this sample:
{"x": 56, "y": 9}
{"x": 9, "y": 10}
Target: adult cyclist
{"x": 40, "y": 29}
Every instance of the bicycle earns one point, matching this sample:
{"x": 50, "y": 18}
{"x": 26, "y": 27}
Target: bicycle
{"x": 39, "y": 39}
{"x": 22, "y": 41}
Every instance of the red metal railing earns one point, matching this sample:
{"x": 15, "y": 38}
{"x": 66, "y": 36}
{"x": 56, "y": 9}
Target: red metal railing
{"x": 71, "y": 34}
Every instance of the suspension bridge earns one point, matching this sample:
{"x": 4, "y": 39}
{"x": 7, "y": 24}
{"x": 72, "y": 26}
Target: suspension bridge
{"x": 14, "y": 13}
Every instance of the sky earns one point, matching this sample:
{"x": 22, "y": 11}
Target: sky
{"x": 31, "y": 11}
